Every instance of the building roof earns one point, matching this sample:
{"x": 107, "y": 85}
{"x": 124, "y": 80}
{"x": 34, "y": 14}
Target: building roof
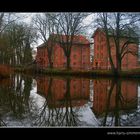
{"x": 98, "y": 29}
{"x": 127, "y": 33}
{"x": 41, "y": 45}
{"x": 78, "y": 39}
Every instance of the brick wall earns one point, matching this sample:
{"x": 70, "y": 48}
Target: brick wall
{"x": 80, "y": 57}
{"x": 101, "y": 60}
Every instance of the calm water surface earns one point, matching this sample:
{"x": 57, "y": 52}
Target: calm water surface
{"x": 44, "y": 101}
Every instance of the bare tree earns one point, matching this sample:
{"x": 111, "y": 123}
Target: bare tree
{"x": 6, "y": 19}
{"x": 17, "y": 40}
{"x": 118, "y": 26}
{"x": 68, "y": 25}
{"x": 57, "y": 112}
{"x": 45, "y": 24}
{"x": 103, "y": 22}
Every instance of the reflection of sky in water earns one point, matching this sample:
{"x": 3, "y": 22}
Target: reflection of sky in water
{"x": 86, "y": 116}
{"x": 138, "y": 97}
{"x": 84, "y": 113}
{"x": 139, "y": 91}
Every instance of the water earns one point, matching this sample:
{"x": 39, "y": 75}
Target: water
{"x": 44, "y": 101}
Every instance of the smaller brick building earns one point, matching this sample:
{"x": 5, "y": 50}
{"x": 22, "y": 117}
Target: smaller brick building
{"x": 101, "y": 59}
{"x": 104, "y": 101}
{"x": 80, "y": 54}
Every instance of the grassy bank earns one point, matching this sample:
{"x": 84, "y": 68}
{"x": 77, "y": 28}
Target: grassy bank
{"x": 77, "y": 73}
{"x": 82, "y": 73}
{"x": 135, "y": 73}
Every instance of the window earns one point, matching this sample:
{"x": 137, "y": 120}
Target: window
{"x": 101, "y": 63}
{"x": 96, "y": 64}
{"x": 84, "y": 49}
{"x": 101, "y": 47}
{"x": 101, "y": 39}
{"x": 74, "y": 56}
{"x": 74, "y": 86}
{"x": 97, "y": 55}
{"x": 83, "y": 91}
{"x": 84, "y": 57}
{"x": 101, "y": 55}
{"x": 98, "y": 38}
{"x": 98, "y": 47}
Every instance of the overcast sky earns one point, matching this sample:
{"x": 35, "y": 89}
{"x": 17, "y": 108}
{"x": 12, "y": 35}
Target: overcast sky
{"x": 87, "y": 21}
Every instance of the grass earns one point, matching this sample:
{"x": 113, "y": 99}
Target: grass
{"x": 81, "y": 73}
{"x": 135, "y": 73}
{"x": 131, "y": 73}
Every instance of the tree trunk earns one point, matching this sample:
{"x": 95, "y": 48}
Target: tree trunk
{"x": 109, "y": 54}
{"x": 118, "y": 65}
{"x": 68, "y": 62}
{"x": 49, "y": 97}
{"x": 117, "y": 101}
{"x": 49, "y": 50}
{"x": 117, "y": 43}
{"x": 118, "y": 59}
{"x": 113, "y": 82}
{"x": 50, "y": 61}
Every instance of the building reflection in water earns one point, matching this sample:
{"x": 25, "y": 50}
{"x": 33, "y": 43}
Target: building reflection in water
{"x": 62, "y": 95}
{"x": 68, "y": 101}
{"x": 112, "y": 98}
{"x": 79, "y": 90}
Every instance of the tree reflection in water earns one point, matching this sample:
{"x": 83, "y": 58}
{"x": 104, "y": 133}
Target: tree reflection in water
{"x": 119, "y": 100}
{"x": 56, "y": 112}
{"x": 115, "y": 102}
{"x": 20, "y": 107}
{"x": 14, "y": 94}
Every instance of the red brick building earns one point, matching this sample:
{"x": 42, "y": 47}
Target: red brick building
{"x": 80, "y": 54}
{"x": 128, "y": 98}
{"x": 79, "y": 91}
{"x": 101, "y": 59}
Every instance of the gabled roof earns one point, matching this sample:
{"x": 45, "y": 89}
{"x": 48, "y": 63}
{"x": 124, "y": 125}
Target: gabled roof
{"x": 78, "y": 39}
{"x": 98, "y": 29}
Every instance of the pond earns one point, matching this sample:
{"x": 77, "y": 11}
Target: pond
{"x": 53, "y": 101}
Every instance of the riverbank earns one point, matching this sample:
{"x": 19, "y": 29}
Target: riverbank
{"x": 82, "y": 73}
{"x": 5, "y": 71}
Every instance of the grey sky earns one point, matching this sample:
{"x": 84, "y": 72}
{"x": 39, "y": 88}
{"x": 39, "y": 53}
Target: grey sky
{"x": 87, "y": 21}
